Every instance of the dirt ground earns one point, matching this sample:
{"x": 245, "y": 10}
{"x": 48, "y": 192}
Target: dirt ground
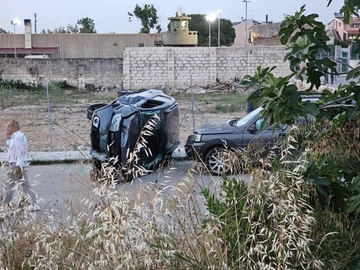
{"x": 67, "y": 128}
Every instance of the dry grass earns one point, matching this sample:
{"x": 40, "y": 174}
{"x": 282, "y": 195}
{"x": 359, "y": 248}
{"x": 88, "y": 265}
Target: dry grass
{"x": 156, "y": 227}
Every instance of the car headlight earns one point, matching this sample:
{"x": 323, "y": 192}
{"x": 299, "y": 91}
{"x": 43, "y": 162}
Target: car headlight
{"x": 115, "y": 122}
{"x": 96, "y": 121}
{"x": 195, "y": 138}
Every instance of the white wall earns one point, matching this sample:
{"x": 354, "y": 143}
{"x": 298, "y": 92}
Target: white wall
{"x": 173, "y": 66}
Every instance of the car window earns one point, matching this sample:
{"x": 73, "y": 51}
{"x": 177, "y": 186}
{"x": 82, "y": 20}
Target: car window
{"x": 245, "y": 120}
{"x": 261, "y": 120}
{"x": 258, "y": 123}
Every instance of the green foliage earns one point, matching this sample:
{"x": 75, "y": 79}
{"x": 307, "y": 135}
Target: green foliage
{"x": 266, "y": 225}
{"x": 225, "y": 108}
{"x": 349, "y": 9}
{"x": 222, "y": 102}
{"x": 336, "y": 112}
{"x": 336, "y": 239}
{"x": 70, "y": 29}
{"x": 307, "y": 36}
{"x": 88, "y": 25}
{"x": 329, "y": 142}
{"x": 13, "y": 84}
{"x": 148, "y": 17}
{"x": 227, "y": 32}
{"x": 230, "y": 212}
{"x": 280, "y": 98}
{"x": 64, "y": 85}
{"x": 5, "y": 94}
{"x": 3, "y": 31}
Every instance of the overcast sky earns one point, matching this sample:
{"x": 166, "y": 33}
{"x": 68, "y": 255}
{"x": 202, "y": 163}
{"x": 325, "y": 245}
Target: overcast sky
{"x": 111, "y": 15}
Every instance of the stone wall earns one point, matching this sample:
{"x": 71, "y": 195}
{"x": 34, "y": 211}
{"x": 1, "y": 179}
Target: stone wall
{"x": 151, "y": 67}
{"x": 76, "y": 72}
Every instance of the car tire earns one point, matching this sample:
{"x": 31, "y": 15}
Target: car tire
{"x": 222, "y": 160}
{"x": 96, "y": 172}
{"x": 108, "y": 173}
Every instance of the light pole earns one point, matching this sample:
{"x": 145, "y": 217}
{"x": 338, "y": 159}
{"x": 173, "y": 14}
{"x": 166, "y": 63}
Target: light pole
{"x": 219, "y": 12}
{"x": 246, "y": 26}
{"x": 211, "y": 17}
{"x": 15, "y": 22}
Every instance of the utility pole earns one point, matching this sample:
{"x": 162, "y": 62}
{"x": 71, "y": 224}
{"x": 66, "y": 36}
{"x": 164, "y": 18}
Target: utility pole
{"x": 35, "y": 22}
{"x": 218, "y": 13}
{"x": 246, "y": 21}
{"x": 15, "y": 22}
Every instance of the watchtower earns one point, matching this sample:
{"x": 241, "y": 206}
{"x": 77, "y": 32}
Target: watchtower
{"x": 179, "y": 34}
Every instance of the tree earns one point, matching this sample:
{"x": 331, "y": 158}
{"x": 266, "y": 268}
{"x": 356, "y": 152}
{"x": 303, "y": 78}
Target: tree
{"x": 198, "y": 23}
{"x": 3, "y": 31}
{"x": 282, "y": 104}
{"x": 88, "y": 25}
{"x": 328, "y": 148}
{"x": 148, "y": 17}
{"x": 70, "y": 29}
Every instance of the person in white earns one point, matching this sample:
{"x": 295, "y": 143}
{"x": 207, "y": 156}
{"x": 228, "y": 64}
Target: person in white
{"x": 17, "y": 158}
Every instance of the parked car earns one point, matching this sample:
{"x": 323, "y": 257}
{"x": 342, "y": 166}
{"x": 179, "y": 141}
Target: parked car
{"x": 116, "y": 129}
{"x": 219, "y": 144}
{"x": 214, "y": 143}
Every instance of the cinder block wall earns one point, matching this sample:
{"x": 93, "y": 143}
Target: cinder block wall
{"x": 175, "y": 66}
{"x": 150, "y": 67}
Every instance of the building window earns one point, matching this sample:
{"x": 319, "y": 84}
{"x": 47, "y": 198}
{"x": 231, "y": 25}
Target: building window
{"x": 355, "y": 25}
{"x": 141, "y": 45}
{"x": 176, "y": 25}
{"x": 183, "y": 24}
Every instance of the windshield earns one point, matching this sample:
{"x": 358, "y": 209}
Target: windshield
{"x": 243, "y": 121}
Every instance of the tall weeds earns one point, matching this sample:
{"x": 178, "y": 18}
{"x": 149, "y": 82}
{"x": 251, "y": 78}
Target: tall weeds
{"x": 268, "y": 224}
{"x": 272, "y": 223}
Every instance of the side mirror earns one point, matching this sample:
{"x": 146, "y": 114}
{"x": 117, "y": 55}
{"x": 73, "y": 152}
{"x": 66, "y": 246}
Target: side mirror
{"x": 252, "y": 128}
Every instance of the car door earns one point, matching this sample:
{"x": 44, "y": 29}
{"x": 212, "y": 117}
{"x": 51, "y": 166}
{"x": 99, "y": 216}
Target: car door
{"x": 260, "y": 142}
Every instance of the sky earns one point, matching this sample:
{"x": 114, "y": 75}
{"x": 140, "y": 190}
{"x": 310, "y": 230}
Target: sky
{"x": 112, "y": 15}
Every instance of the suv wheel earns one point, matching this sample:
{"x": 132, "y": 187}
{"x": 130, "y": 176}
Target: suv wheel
{"x": 104, "y": 172}
{"x": 222, "y": 160}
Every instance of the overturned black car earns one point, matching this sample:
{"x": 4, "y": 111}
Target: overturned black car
{"x": 139, "y": 129}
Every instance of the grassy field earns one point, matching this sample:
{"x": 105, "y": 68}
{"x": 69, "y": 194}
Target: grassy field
{"x": 213, "y": 102}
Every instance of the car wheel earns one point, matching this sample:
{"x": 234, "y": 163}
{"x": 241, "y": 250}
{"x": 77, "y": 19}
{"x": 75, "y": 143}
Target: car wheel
{"x": 104, "y": 172}
{"x": 96, "y": 172}
{"x": 222, "y": 160}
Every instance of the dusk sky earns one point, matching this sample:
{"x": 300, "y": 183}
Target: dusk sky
{"x": 111, "y": 15}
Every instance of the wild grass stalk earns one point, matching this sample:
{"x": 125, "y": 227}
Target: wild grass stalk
{"x": 269, "y": 224}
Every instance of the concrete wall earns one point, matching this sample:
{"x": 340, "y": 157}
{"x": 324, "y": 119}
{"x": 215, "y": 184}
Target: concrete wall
{"x": 77, "y": 72}
{"x": 267, "y": 41}
{"x": 266, "y": 30}
{"x": 240, "y": 32}
{"x": 83, "y": 45}
{"x": 151, "y": 67}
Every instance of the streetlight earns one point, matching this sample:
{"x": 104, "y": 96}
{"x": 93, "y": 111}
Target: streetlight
{"x": 246, "y": 27}
{"x": 211, "y": 17}
{"x": 219, "y": 12}
{"x": 15, "y": 22}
